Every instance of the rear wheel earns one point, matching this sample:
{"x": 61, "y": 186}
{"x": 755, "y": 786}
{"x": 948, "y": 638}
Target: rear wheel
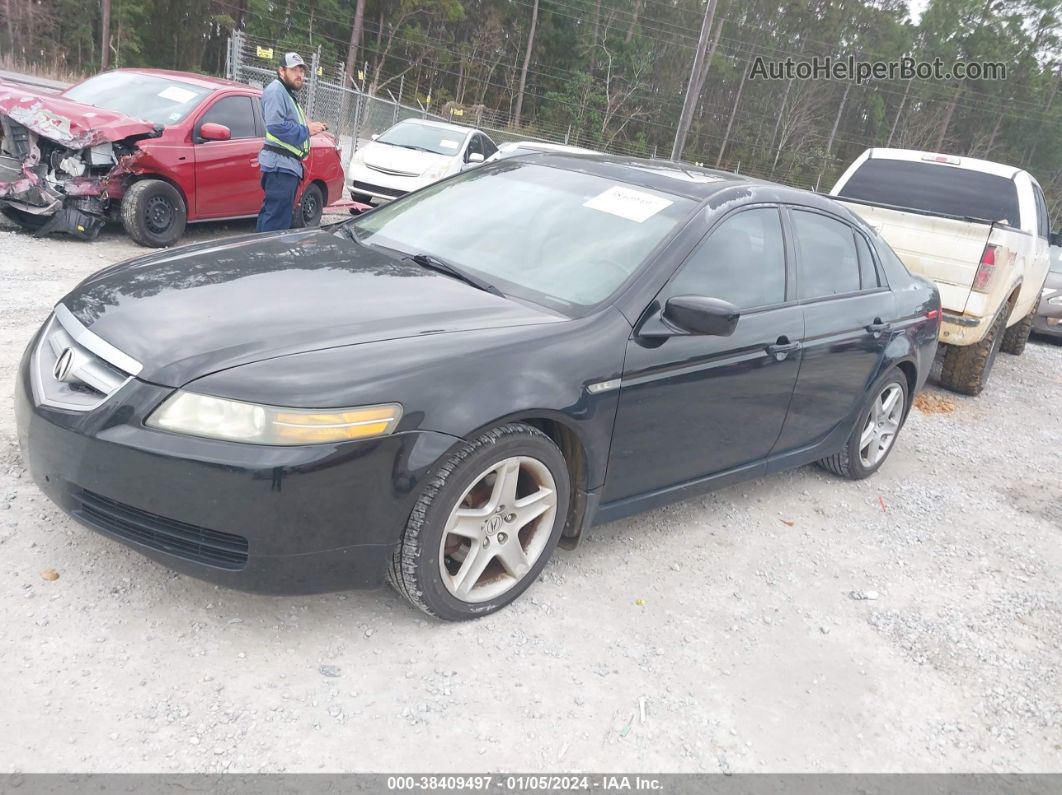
{"x": 153, "y": 213}
{"x": 875, "y": 434}
{"x": 310, "y": 207}
{"x": 1015, "y": 338}
{"x": 485, "y": 525}
{"x": 966, "y": 368}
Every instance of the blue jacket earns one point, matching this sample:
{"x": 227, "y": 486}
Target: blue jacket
{"x": 282, "y": 120}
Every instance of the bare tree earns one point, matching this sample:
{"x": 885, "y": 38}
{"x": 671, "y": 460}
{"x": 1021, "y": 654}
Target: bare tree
{"x": 105, "y": 35}
{"x": 527, "y": 62}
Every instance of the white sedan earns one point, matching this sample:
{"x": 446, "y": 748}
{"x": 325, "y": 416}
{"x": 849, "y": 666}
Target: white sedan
{"x": 412, "y": 154}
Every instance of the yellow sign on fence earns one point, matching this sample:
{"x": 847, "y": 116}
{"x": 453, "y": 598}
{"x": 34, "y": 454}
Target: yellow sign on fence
{"x": 264, "y": 52}
{"x": 458, "y": 112}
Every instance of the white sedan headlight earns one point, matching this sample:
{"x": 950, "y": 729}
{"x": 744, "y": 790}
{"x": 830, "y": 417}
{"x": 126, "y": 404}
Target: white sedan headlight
{"x": 1056, "y": 301}
{"x": 237, "y": 421}
{"x": 438, "y": 172}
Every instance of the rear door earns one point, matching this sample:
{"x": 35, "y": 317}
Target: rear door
{"x": 696, "y": 406}
{"x": 228, "y": 180}
{"x": 848, "y": 312}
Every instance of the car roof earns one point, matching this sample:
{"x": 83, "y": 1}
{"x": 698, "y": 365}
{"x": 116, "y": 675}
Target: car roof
{"x": 204, "y": 81}
{"x": 442, "y": 125}
{"x": 681, "y": 179}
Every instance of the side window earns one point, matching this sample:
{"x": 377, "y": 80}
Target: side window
{"x": 488, "y": 146}
{"x": 829, "y": 264}
{"x": 1043, "y": 221}
{"x": 236, "y": 113}
{"x": 742, "y": 261}
{"x": 868, "y": 275}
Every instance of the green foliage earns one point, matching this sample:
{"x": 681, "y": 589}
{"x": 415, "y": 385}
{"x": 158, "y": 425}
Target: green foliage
{"x": 612, "y": 73}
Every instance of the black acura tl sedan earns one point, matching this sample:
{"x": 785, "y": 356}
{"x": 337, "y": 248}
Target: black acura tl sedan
{"x": 446, "y": 388}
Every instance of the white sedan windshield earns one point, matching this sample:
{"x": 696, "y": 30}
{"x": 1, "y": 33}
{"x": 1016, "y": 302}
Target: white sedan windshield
{"x": 534, "y": 231}
{"x": 425, "y": 137}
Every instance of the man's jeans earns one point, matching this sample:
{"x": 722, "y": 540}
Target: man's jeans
{"x": 277, "y": 210}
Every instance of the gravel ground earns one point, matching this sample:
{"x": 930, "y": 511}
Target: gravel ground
{"x": 716, "y": 634}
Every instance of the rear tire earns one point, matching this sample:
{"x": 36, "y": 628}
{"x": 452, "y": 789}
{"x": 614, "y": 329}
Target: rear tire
{"x": 1015, "y": 338}
{"x": 856, "y": 460}
{"x": 966, "y": 368}
{"x": 310, "y": 208}
{"x": 484, "y": 526}
{"x": 153, "y": 213}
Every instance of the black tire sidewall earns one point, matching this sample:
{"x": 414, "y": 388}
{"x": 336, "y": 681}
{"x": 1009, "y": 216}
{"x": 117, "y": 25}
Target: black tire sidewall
{"x": 429, "y": 583}
{"x": 300, "y": 220}
{"x": 855, "y": 462}
{"x": 139, "y": 194}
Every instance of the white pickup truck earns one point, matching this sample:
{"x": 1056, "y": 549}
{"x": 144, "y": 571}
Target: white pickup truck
{"x": 978, "y": 229}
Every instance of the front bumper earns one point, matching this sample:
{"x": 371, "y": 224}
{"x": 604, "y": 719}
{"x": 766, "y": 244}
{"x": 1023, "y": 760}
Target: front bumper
{"x": 287, "y": 520}
{"x": 366, "y": 181}
{"x": 1052, "y": 326}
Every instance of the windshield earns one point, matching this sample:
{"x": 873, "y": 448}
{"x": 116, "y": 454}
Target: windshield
{"x": 936, "y": 189}
{"x": 560, "y": 238}
{"x": 424, "y": 136}
{"x": 155, "y": 99}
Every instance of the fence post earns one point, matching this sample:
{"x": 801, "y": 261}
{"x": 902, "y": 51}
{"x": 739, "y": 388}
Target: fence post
{"x": 358, "y": 104}
{"x": 311, "y": 95}
{"x": 236, "y": 60}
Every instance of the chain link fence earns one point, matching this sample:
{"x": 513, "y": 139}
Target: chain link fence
{"x": 355, "y": 116}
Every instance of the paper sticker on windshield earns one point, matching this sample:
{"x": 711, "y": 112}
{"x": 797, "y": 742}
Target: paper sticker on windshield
{"x": 634, "y": 205}
{"x": 176, "y": 94}
{"x": 448, "y": 144}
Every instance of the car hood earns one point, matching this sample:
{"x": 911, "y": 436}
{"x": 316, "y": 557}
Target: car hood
{"x": 199, "y": 309}
{"x": 398, "y": 158}
{"x": 72, "y": 124}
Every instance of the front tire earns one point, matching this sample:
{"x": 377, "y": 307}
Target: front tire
{"x": 485, "y": 525}
{"x": 310, "y": 208}
{"x": 153, "y": 213}
{"x": 967, "y": 367}
{"x": 874, "y": 436}
{"x": 1016, "y": 337}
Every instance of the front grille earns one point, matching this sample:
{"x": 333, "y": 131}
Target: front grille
{"x": 390, "y": 171}
{"x": 73, "y": 369}
{"x": 366, "y": 187}
{"x": 223, "y": 550}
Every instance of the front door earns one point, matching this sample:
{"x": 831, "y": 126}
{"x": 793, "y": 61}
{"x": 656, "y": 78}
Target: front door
{"x": 847, "y": 310}
{"x": 227, "y": 178}
{"x": 695, "y": 406}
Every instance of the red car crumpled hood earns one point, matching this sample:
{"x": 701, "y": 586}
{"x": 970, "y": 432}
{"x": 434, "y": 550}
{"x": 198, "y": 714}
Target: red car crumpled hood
{"x": 72, "y": 124}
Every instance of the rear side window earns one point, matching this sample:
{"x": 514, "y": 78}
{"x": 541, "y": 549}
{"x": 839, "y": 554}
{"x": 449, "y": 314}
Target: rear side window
{"x": 935, "y": 188}
{"x": 236, "y": 113}
{"x": 868, "y": 275}
{"x": 829, "y": 264}
{"x": 1043, "y": 221}
{"x": 742, "y": 261}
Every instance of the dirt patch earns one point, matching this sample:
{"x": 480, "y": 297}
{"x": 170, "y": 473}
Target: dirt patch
{"x": 929, "y": 403}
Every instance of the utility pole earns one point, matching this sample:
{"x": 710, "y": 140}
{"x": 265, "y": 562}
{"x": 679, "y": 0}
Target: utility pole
{"x": 105, "y": 36}
{"x": 693, "y": 87}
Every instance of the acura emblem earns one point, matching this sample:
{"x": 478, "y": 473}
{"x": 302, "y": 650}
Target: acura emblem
{"x": 493, "y": 524}
{"x": 63, "y": 364}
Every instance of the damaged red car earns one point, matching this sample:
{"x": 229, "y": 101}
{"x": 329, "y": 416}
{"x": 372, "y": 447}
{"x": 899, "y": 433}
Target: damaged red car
{"x": 151, "y": 148}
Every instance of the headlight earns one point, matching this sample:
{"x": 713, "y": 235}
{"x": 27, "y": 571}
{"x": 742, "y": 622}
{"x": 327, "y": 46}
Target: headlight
{"x": 1056, "y": 301}
{"x": 436, "y": 173}
{"x": 237, "y": 421}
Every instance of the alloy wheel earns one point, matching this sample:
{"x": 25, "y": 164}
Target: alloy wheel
{"x": 498, "y": 529}
{"x": 882, "y": 426}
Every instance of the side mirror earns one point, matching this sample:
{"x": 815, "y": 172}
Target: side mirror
{"x": 475, "y": 157}
{"x": 685, "y": 315}
{"x": 212, "y": 131}
{"x": 374, "y": 136}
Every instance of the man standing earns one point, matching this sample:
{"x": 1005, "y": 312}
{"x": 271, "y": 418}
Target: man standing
{"x": 287, "y": 143}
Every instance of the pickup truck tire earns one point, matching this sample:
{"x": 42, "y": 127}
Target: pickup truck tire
{"x": 1017, "y": 335}
{"x": 851, "y": 461}
{"x": 966, "y": 368}
{"x": 153, "y": 213}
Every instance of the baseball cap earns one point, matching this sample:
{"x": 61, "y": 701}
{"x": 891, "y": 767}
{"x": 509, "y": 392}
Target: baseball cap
{"x": 290, "y": 59}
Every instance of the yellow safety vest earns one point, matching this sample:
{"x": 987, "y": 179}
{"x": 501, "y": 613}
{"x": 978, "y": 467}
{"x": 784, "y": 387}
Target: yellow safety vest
{"x": 300, "y": 152}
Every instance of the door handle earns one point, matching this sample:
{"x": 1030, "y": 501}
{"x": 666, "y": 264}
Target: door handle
{"x": 877, "y": 327}
{"x": 781, "y": 349}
